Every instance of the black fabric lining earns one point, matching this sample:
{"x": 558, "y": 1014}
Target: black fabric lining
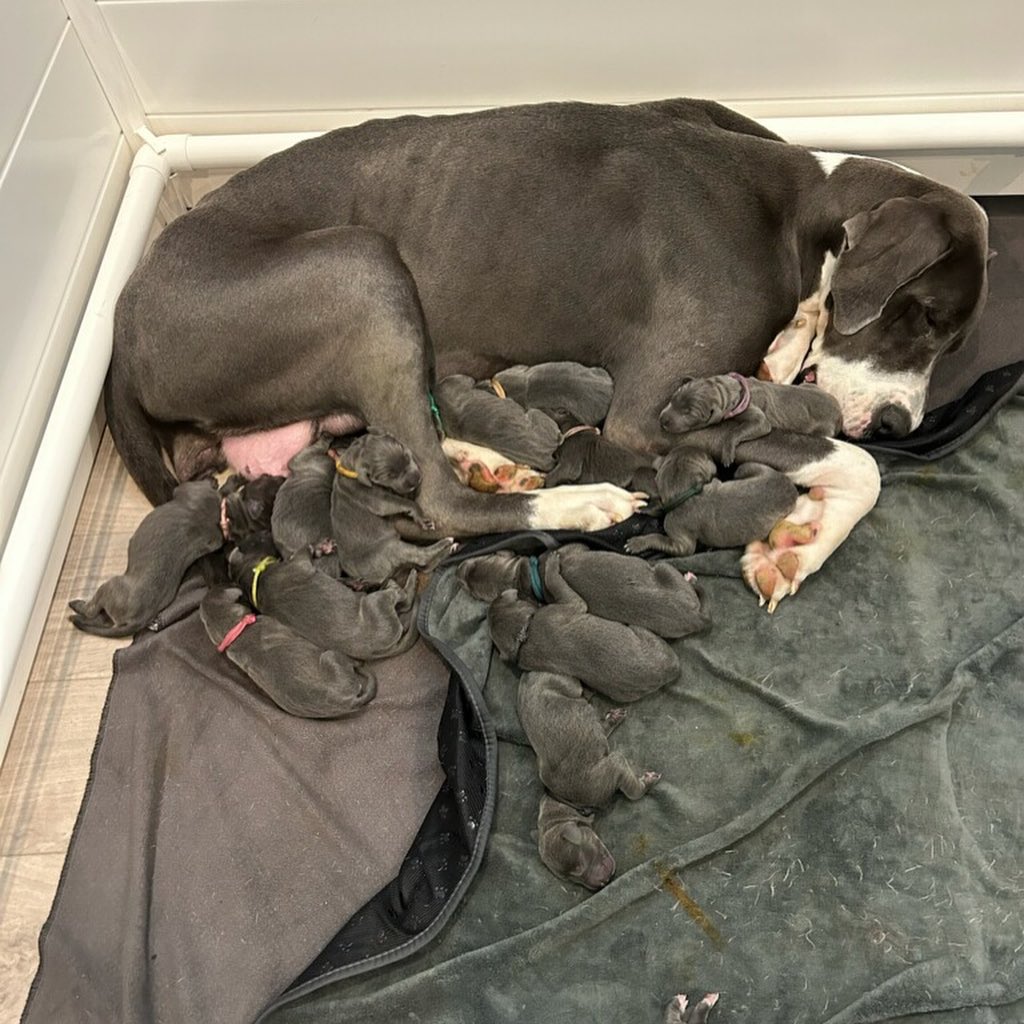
{"x": 446, "y": 853}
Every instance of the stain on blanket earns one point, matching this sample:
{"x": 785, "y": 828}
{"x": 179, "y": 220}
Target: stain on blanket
{"x": 671, "y": 884}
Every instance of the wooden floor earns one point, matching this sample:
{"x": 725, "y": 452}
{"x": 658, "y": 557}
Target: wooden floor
{"x": 47, "y": 764}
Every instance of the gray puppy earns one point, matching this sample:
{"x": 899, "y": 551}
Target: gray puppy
{"x": 624, "y": 663}
{"x": 300, "y": 677}
{"x": 475, "y": 412}
{"x": 166, "y": 543}
{"x": 376, "y": 477}
{"x": 570, "y": 848}
{"x": 585, "y": 456}
{"x": 622, "y": 588}
{"x": 749, "y": 408}
{"x": 301, "y": 520}
{"x": 247, "y": 505}
{"x": 570, "y": 740}
{"x": 570, "y": 393}
{"x": 324, "y": 611}
{"x": 716, "y": 513}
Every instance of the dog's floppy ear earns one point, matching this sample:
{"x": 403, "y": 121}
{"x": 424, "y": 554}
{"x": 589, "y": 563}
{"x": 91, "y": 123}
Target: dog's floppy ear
{"x": 884, "y": 249}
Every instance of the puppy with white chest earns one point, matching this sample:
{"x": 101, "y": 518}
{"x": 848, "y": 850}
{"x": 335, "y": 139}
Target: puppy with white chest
{"x": 719, "y": 514}
{"x": 744, "y": 408}
{"x": 624, "y": 663}
{"x": 376, "y": 476}
{"x": 625, "y": 589}
{"x": 326, "y": 612}
{"x": 570, "y": 739}
{"x": 166, "y": 543}
{"x": 299, "y": 676}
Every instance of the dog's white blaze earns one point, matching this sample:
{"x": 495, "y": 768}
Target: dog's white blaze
{"x": 581, "y": 507}
{"x": 861, "y": 389}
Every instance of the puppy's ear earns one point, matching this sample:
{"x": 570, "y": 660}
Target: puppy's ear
{"x": 884, "y": 249}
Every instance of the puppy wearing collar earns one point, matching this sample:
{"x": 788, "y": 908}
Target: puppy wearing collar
{"x": 744, "y": 409}
{"x": 720, "y": 514}
{"x": 166, "y": 543}
{"x": 300, "y": 677}
{"x": 570, "y": 393}
{"x": 654, "y": 595}
{"x": 323, "y": 611}
{"x": 481, "y": 415}
{"x": 585, "y": 456}
{"x": 376, "y": 476}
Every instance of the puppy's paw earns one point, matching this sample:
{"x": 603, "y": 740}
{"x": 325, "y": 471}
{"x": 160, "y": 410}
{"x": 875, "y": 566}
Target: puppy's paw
{"x": 681, "y": 1012}
{"x": 650, "y": 778}
{"x": 583, "y": 507}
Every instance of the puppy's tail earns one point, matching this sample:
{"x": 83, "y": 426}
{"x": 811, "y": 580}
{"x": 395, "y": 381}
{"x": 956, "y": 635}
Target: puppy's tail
{"x": 134, "y": 436}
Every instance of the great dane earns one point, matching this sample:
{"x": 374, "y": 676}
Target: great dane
{"x": 336, "y": 280}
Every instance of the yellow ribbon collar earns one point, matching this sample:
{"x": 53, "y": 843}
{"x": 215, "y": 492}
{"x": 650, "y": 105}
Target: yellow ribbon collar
{"x": 257, "y": 572}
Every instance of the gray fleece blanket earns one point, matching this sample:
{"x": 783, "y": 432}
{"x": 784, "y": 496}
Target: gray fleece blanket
{"x": 839, "y": 833}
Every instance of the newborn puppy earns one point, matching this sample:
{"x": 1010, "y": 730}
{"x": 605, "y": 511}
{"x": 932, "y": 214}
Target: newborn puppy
{"x": 749, "y": 408}
{"x": 585, "y": 457}
{"x": 247, "y": 505}
{"x": 166, "y": 543}
{"x": 622, "y": 588}
{"x": 570, "y": 848}
{"x": 624, "y": 663}
{"x": 324, "y": 611}
{"x": 298, "y": 676}
{"x": 718, "y": 514}
{"x": 570, "y": 740}
{"x": 474, "y": 412}
{"x": 376, "y": 476}
{"x": 301, "y": 520}
{"x": 570, "y": 393}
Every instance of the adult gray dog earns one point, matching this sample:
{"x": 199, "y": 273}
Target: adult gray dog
{"x": 527, "y": 234}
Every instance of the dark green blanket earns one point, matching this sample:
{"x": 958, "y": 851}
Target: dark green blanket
{"x": 839, "y": 833}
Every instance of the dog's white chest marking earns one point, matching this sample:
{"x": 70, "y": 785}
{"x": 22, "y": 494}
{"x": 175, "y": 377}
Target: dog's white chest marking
{"x": 786, "y": 354}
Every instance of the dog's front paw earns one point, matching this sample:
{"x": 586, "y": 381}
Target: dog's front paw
{"x": 583, "y": 507}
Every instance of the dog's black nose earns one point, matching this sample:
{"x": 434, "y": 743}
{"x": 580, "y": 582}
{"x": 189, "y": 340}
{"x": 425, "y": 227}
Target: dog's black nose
{"x": 892, "y": 420}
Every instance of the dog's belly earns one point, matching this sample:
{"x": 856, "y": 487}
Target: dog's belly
{"x": 269, "y": 451}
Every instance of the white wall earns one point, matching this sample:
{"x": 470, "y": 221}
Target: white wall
{"x": 63, "y": 169}
{"x": 237, "y": 63}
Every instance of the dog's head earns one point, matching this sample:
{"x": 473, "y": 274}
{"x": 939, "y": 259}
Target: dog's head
{"x": 909, "y": 285}
{"x": 570, "y": 848}
{"x": 378, "y": 458}
{"x": 570, "y": 393}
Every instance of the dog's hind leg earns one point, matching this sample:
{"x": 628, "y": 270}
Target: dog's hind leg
{"x": 844, "y": 481}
